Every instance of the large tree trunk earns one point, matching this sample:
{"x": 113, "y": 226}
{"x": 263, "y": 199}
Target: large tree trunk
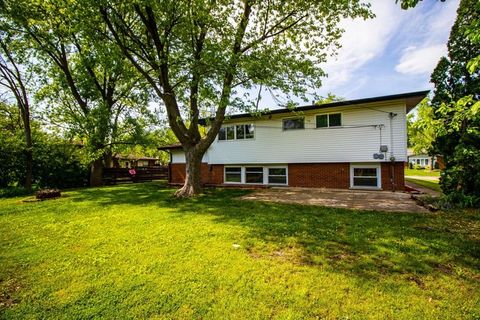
{"x": 96, "y": 173}
{"x": 108, "y": 158}
{"x": 192, "y": 185}
{"x": 29, "y": 151}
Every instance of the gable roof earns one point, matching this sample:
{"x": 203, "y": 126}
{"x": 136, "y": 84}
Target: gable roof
{"x": 411, "y": 100}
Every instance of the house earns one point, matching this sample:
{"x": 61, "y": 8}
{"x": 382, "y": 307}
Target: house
{"x": 131, "y": 161}
{"x": 424, "y": 161}
{"x": 348, "y": 144}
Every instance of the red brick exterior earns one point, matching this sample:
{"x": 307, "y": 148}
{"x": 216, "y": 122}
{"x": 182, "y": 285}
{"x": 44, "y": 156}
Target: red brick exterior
{"x": 211, "y": 173}
{"x": 398, "y": 175}
{"x": 319, "y": 175}
{"x": 311, "y": 175}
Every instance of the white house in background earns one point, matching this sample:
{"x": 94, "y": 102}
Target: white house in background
{"x": 422, "y": 160}
{"x": 349, "y": 144}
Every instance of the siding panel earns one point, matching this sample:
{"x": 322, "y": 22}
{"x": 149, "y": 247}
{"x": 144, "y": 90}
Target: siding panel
{"x": 357, "y": 141}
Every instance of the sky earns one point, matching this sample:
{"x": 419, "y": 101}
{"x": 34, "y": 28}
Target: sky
{"x": 395, "y": 52}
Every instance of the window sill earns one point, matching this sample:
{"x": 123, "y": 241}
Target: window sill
{"x": 366, "y": 188}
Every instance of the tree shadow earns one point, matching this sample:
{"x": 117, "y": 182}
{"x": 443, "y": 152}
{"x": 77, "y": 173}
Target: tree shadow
{"x": 367, "y": 244}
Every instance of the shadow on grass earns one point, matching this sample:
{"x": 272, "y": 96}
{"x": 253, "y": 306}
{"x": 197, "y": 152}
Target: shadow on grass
{"x": 364, "y": 243}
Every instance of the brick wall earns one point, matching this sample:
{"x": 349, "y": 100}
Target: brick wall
{"x": 399, "y": 174}
{"x": 211, "y": 174}
{"x": 319, "y": 175}
{"x": 312, "y": 175}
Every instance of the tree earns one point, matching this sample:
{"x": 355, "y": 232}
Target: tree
{"x": 456, "y": 105}
{"x": 405, "y": 4}
{"x": 422, "y": 130}
{"x": 87, "y": 84}
{"x": 195, "y": 54}
{"x": 13, "y": 78}
{"x": 331, "y": 97}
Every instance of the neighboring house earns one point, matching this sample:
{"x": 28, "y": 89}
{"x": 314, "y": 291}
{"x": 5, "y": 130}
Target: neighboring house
{"x": 348, "y": 144}
{"x": 131, "y": 161}
{"x": 424, "y": 161}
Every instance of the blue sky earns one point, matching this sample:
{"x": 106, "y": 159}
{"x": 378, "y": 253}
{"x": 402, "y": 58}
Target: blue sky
{"x": 393, "y": 53}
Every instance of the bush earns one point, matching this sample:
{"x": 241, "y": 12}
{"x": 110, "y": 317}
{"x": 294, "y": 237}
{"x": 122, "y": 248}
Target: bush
{"x": 460, "y": 180}
{"x": 9, "y": 192}
{"x": 418, "y": 167}
{"x": 56, "y": 164}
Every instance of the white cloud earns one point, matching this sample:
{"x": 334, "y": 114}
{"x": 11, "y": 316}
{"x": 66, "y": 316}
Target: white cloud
{"x": 362, "y": 41}
{"x": 422, "y": 60}
{"x": 428, "y": 45}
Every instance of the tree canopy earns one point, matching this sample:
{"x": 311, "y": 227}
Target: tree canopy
{"x": 456, "y": 106}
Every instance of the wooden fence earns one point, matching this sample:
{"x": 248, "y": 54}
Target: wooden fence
{"x": 123, "y": 175}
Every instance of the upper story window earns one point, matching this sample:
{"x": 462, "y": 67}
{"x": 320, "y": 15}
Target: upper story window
{"x": 245, "y": 131}
{"x": 226, "y": 133}
{"x": 239, "y": 132}
{"x": 329, "y": 120}
{"x": 293, "y": 123}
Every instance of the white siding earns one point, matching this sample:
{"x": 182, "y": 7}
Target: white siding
{"x": 178, "y": 156}
{"x": 356, "y": 141}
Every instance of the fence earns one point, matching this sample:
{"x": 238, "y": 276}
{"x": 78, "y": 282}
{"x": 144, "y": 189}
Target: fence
{"x": 122, "y": 175}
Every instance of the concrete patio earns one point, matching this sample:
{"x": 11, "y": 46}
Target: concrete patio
{"x": 338, "y": 198}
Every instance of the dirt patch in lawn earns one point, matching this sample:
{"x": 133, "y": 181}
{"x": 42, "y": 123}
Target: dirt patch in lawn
{"x": 7, "y": 289}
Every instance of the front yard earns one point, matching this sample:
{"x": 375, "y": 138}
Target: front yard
{"x": 133, "y": 251}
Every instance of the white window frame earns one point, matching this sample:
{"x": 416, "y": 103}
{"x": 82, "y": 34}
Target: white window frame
{"x": 268, "y": 175}
{"x": 328, "y": 120}
{"x": 297, "y": 117}
{"x": 366, "y": 166}
{"x": 245, "y": 138}
{"x": 233, "y": 182}
{"x": 245, "y": 174}
{"x": 235, "y": 132}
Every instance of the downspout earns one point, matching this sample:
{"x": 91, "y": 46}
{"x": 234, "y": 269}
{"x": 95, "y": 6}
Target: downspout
{"x": 392, "y": 115}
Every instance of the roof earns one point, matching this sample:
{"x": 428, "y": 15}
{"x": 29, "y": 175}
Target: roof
{"x": 171, "y": 146}
{"x": 411, "y": 100}
{"x": 133, "y": 157}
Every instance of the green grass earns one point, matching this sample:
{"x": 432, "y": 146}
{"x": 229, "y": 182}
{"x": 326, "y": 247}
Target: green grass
{"x": 423, "y": 173}
{"x": 132, "y": 251}
{"x": 426, "y": 183}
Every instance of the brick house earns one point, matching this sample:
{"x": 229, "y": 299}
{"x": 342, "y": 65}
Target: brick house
{"x": 348, "y": 144}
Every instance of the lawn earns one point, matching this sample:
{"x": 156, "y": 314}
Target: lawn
{"x": 422, "y": 173}
{"x": 426, "y": 183}
{"x": 132, "y": 251}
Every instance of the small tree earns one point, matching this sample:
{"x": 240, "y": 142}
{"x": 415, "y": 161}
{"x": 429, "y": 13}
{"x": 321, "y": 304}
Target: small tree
{"x": 196, "y": 54}
{"x": 422, "y": 130}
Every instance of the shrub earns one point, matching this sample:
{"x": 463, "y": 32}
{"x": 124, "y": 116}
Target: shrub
{"x": 11, "y": 191}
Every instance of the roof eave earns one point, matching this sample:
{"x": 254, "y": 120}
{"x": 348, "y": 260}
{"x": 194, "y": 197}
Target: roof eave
{"x": 411, "y": 100}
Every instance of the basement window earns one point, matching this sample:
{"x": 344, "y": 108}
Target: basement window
{"x": 254, "y": 175}
{"x": 365, "y": 176}
{"x": 233, "y": 174}
{"x": 277, "y": 175}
